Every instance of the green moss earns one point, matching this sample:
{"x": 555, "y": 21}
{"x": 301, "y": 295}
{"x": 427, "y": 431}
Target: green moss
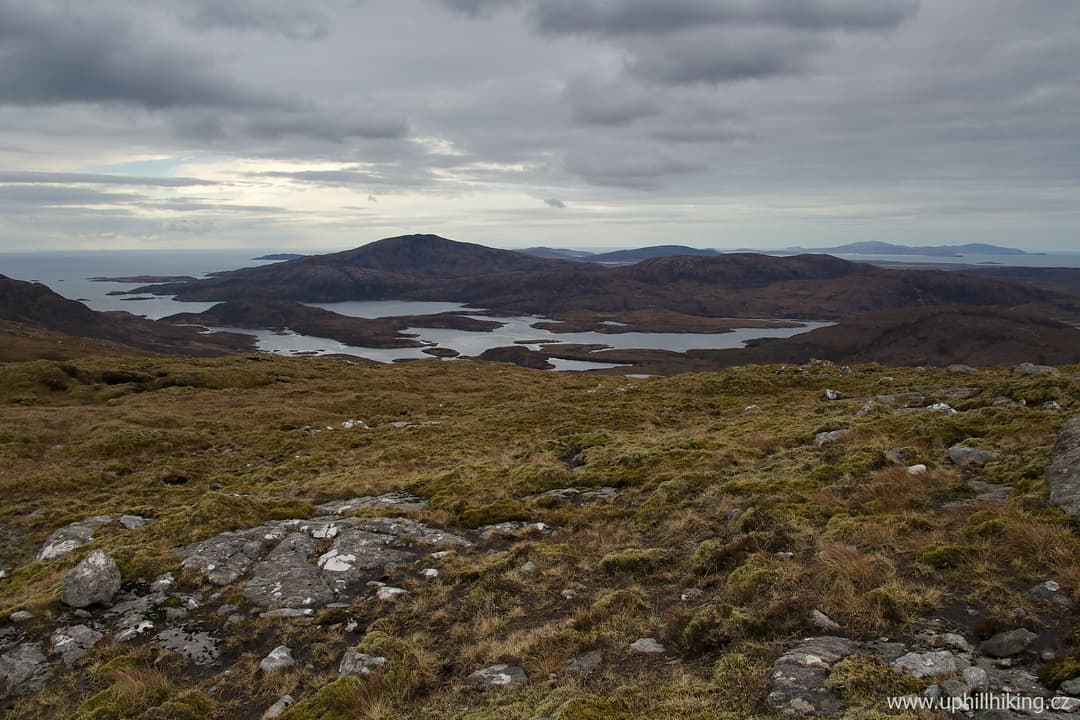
{"x": 342, "y": 699}
{"x": 619, "y": 602}
{"x": 866, "y": 680}
{"x": 749, "y": 580}
{"x": 984, "y": 524}
{"x": 492, "y": 513}
{"x": 717, "y": 556}
{"x": 635, "y": 560}
{"x": 1056, "y": 672}
{"x": 706, "y": 631}
{"x": 943, "y": 555}
{"x": 403, "y": 675}
{"x": 740, "y": 682}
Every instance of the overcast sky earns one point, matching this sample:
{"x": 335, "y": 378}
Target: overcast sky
{"x": 326, "y": 124}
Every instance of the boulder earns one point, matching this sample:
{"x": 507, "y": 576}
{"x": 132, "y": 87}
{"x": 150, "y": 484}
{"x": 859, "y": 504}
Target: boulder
{"x": 937, "y": 663}
{"x": 969, "y": 457}
{"x": 94, "y": 581}
{"x": 1007, "y": 644}
{"x": 278, "y": 709}
{"x": 285, "y": 578}
{"x": 647, "y": 646}
{"x": 826, "y": 438}
{"x": 498, "y": 676}
{"x": 833, "y": 395}
{"x": 1063, "y": 475}
{"x": 799, "y": 676}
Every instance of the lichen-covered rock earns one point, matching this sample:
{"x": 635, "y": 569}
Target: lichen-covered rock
{"x": 1007, "y": 644}
{"x": 1063, "y": 475}
{"x": 286, "y": 579}
{"x": 225, "y": 558}
{"x": 94, "y": 581}
{"x": 200, "y": 648}
{"x": 278, "y": 709}
{"x": 1032, "y": 369}
{"x": 969, "y": 457}
{"x": 72, "y": 643}
{"x": 647, "y": 646}
{"x": 402, "y": 501}
{"x": 827, "y": 438}
{"x": 798, "y": 677}
{"x": 937, "y": 663}
{"x": 279, "y": 658}
{"x": 24, "y": 670}
{"x": 72, "y": 536}
{"x": 358, "y": 663}
{"x": 498, "y": 676}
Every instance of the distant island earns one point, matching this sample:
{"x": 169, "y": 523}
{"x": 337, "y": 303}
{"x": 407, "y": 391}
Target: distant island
{"x": 280, "y": 256}
{"x": 884, "y": 248}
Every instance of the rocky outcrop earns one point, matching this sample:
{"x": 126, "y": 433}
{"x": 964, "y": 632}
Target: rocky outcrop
{"x": 94, "y": 581}
{"x": 286, "y": 570}
{"x": 71, "y": 536}
{"x": 498, "y": 676}
{"x": 1063, "y": 475}
{"x": 24, "y": 669}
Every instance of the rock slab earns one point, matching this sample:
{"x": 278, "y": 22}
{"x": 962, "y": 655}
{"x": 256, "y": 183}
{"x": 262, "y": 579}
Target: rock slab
{"x": 1063, "y": 475}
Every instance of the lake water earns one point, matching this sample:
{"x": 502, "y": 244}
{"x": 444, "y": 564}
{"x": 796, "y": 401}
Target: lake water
{"x": 68, "y": 273}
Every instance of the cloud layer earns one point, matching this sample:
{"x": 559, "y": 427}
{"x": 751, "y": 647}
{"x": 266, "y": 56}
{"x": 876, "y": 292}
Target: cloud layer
{"x": 725, "y": 123}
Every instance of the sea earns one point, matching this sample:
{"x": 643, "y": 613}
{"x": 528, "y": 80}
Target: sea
{"x": 71, "y": 273}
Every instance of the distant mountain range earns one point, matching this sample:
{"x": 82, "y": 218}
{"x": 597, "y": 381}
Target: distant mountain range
{"x": 857, "y": 248}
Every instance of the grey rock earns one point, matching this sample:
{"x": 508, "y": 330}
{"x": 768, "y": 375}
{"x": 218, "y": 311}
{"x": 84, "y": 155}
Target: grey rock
{"x": 580, "y": 494}
{"x": 175, "y": 616}
{"x": 647, "y": 646}
{"x": 278, "y": 709}
{"x": 164, "y": 583}
{"x": 690, "y": 594}
{"x": 951, "y": 640}
{"x": 976, "y": 679}
{"x": 1032, "y": 369}
{"x": 288, "y": 613}
{"x": 134, "y": 522}
{"x": 1052, "y": 405}
{"x": 969, "y": 457}
{"x": 941, "y": 407}
{"x": 132, "y": 626}
{"x": 357, "y": 554}
{"x": 498, "y": 676}
{"x": 798, "y": 677}
{"x": 823, "y": 622}
{"x": 402, "y": 501}
{"x": 529, "y": 567}
{"x": 833, "y": 395}
{"x": 1063, "y": 475}
{"x": 225, "y": 558}
{"x": 285, "y": 578}
{"x": 278, "y": 659}
{"x": 24, "y": 670}
{"x": 827, "y": 438}
{"x": 937, "y": 663}
{"x": 1002, "y": 402}
{"x": 1007, "y": 644}
{"x": 513, "y": 529}
{"x": 586, "y": 664}
{"x": 200, "y": 648}
{"x": 954, "y": 688}
{"x": 358, "y": 663}
{"x": 94, "y": 581}
{"x": 72, "y": 643}
{"x": 71, "y": 536}
{"x": 389, "y": 594}
{"x": 1050, "y": 593}
{"x": 21, "y": 616}
{"x": 958, "y": 368}
{"x": 1071, "y": 687}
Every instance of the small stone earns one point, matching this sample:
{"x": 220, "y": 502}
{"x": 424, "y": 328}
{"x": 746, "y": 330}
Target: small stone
{"x": 954, "y": 688}
{"x": 94, "y": 581}
{"x": 831, "y": 394}
{"x": 976, "y": 679}
{"x": 278, "y": 659}
{"x": 429, "y": 573}
{"x": 690, "y": 594}
{"x": 357, "y": 663}
{"x": 826, "y": 438}
{"x": 568, "y": 594}
{"x": 918, "y": 469}
{"x": 529, "y": 567}
{"x": 823, "y": 622}
{"x": 498, "y": 676}
{"x": 586, "y": 664}
{"x": 134, "y": 522}
{"x": 929, "y": 664}
{"x": 21, "y": 616}
{"x": 1032, "y": 369}
{"x": 164, "y": 583}
{"x": 957, "y": 368}
{"x": 647, "y": 646}
{"x": 1052, "y": 405}
{"x": 1051, "y": 585}
{"x": 942, "y": 408}
{"x": 288, "y": 613}
{"x": 278, "y": 709}
{"x": 389, "y": 594}
{"x": 1007, "y": 644}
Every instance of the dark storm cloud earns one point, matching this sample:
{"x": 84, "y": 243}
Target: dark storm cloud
{"x": 296, "y": 22}
{"x": 322, "y": 126}
{"x": 643, "y": 170}
{"x": 59, "y": 53}
{"x": 63, "y": 178}
{"x": 629, "y": 17}
{"x": 608, "y": 103}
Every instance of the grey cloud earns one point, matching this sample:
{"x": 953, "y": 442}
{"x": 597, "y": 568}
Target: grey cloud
{"x": 610, "y": 103}
{"x": 555, "y": 203}
{"x": 635, "y": 168}
{"x": 323, "y": 126}
{"x": 386, "y": 176}
{"x": 55, "y": 54}
{"x": 64, "y": 178}
{"x": 629, "y": 17}
{"x": 478, "y": 7}
{"x": 296, "y": 22}
{"x": 51, "y": 195}
{"x": 706, "y": 56}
